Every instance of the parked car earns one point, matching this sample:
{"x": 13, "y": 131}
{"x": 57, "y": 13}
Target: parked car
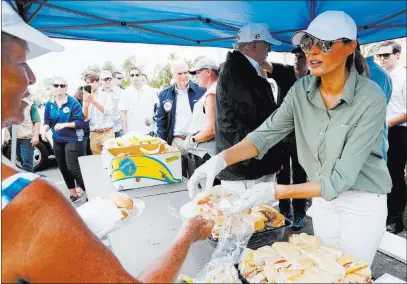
{"x": 42, "y": 152}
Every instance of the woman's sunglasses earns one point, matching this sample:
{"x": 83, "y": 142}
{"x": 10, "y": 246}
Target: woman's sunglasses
{"x": 325, "y": 46}
{"x": 384, "y": 55}
{"x": 107, "y": 79}
{"x": 56, "y": 86}
{"x": 132, "y": 75}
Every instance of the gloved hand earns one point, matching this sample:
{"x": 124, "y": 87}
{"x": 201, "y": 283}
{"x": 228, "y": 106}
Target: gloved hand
{"x": 188, "y": 144}
{"x": 261, "y": 193}
{"x": 208, "y": 172}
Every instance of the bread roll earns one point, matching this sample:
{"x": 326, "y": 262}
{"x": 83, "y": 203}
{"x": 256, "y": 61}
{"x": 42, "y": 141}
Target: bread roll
{"x": 121, "y": 200}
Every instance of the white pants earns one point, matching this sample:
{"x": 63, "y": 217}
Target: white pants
{"x": 354, "y": 222}
{"x": 239, "y": 186}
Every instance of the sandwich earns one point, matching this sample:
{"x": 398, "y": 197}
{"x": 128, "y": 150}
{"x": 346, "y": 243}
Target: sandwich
{"x": 304, "y": 240}
{"x": 353, "y": 264}
{"x": 122, "y": 201}
{"x": 286, "y": 250}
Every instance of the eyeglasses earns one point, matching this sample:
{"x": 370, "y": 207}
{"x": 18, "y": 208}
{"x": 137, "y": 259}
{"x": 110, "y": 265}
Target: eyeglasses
{"x": 56, "y": 86}
{"x": 384, "y": 55}
{"x": 132, "y": 75}
{"x": 107, "y": 79}
{"x": 325, "y": 46}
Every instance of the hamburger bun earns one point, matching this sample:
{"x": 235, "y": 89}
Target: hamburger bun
{"x": 121, "y": 200}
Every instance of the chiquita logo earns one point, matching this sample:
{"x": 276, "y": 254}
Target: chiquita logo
{"x": 127, "y": 167}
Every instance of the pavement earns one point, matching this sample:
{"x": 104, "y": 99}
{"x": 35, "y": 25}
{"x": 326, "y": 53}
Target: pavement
{"x": 382, "y": 263}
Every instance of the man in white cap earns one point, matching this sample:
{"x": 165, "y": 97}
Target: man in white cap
{"x": 200, "y": 141}
{"x": 43, "y": 237}
{"x": 115, "y": 93}
{"x": 243, "y": 101}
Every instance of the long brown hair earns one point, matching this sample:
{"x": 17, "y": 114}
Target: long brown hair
{"x": 359, "y": 61}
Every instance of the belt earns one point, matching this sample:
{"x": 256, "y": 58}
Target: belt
{"x": 180, "y": 136}
{"x": 102, "y": 130}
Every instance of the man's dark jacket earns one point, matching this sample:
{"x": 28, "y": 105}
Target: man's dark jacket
{"x": 244, "y": 100}
{"x": 167, "y": 109}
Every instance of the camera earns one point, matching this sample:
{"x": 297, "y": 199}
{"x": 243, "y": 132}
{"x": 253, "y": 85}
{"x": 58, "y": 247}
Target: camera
{"x": 87, "y": 88}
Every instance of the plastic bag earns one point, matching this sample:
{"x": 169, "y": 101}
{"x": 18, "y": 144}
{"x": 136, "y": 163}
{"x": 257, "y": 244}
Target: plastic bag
{"x": 103, "y": 217}
{"x": 235, "y": 234}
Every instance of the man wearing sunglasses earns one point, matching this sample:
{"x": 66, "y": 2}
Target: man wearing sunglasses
{"x": 285, "y": 77}
{"x": 118, "y": 80}
{"x": 388, "y": 55}
{"x": 109, "y": 89}
{"x": 136, "y": 105}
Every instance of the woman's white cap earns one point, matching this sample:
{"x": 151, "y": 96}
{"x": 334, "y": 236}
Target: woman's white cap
{"x": 13, "y": 24}
{"x": 330, "y": 25}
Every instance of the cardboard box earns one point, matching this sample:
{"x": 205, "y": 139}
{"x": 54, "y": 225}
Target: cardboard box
{"x": 138, "y": 169}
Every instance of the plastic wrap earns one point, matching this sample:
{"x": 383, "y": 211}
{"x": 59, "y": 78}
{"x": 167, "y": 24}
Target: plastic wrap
{"x": 235, "y": 234}
{"x": 103, "y": 217}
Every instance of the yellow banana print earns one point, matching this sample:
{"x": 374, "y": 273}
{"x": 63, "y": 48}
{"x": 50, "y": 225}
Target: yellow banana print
{"x": 140, "y": 167}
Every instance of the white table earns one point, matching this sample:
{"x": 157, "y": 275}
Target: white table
{"x": 139, "y": 243}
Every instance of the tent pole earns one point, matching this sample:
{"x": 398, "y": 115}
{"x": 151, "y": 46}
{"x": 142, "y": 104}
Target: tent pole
{"x": 13, "y": 144}
{"x": 216, "y": 23}
{"x": 312, "y": 10}
{"x": 118, "y": 24}
{"x": 75, "y": 12}
{"x": 162, "y": 33}
{"x": 36, "y": 12}
{"x": 382, "y": 20}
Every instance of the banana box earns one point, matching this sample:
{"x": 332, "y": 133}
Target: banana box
{"x": 144, "y": 165}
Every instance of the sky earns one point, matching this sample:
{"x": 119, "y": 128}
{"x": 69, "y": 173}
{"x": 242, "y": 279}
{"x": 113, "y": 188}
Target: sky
{"x": 78, "y": 55}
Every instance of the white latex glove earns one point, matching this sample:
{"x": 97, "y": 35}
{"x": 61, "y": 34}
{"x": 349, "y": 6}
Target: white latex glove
{"x": 208, "y": 172}
{"x": 188, "y": 144}
{"x": 261, "y": 193}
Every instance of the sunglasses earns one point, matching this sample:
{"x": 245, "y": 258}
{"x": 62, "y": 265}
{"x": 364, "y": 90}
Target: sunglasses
{"x": 107, "y": 79}
{"x": 384, "y": 55}
{"x": 132, "y": 75}
{"x": 91, "y": 81}
{"x": 56, "y": 86}
{"x": 119, "y": 78}
{"x": 325, "y": 46}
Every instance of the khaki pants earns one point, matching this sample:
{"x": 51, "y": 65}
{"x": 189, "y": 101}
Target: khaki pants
{"x": 97, "y": 140}
{"x": 179, "y": 144}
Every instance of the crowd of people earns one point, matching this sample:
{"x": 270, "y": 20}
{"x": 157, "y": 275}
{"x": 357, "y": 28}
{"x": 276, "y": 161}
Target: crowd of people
{"x": 323, "y": 137}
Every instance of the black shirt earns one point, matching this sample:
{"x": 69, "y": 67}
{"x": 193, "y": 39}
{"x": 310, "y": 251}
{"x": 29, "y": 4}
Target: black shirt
{"x": 284, "y": 75}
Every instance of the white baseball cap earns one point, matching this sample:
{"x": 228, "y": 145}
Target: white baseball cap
{"x": 330, "y": 25}
{"x": 256, "y": 31}
{"x": 105, "y": 74}
{"x": 203, "y": 63}
{"x": 13, "y": 24}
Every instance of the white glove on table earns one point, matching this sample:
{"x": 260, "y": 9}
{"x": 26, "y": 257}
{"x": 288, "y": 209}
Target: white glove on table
{"x": 208, "y": 172}
{"x": 261, "y": 193}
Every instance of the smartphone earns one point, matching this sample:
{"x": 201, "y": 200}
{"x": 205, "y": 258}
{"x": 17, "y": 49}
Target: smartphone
{"x": 88, "y": 88}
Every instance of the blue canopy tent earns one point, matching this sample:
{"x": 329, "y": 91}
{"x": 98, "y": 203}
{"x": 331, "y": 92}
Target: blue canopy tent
{"x": 205, "y": 23}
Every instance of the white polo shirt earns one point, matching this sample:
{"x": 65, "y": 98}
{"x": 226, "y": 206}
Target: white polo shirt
{"x": 183, "y": 113}
{"x": 139, "y": 104}
{"x": 398, "y": 102}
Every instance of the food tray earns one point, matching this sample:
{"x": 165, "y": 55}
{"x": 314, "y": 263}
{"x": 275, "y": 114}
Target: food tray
{"x": 263, "y": 238}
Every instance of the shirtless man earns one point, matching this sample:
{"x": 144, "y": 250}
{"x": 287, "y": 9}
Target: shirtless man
{"x": 43, "y": 238}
